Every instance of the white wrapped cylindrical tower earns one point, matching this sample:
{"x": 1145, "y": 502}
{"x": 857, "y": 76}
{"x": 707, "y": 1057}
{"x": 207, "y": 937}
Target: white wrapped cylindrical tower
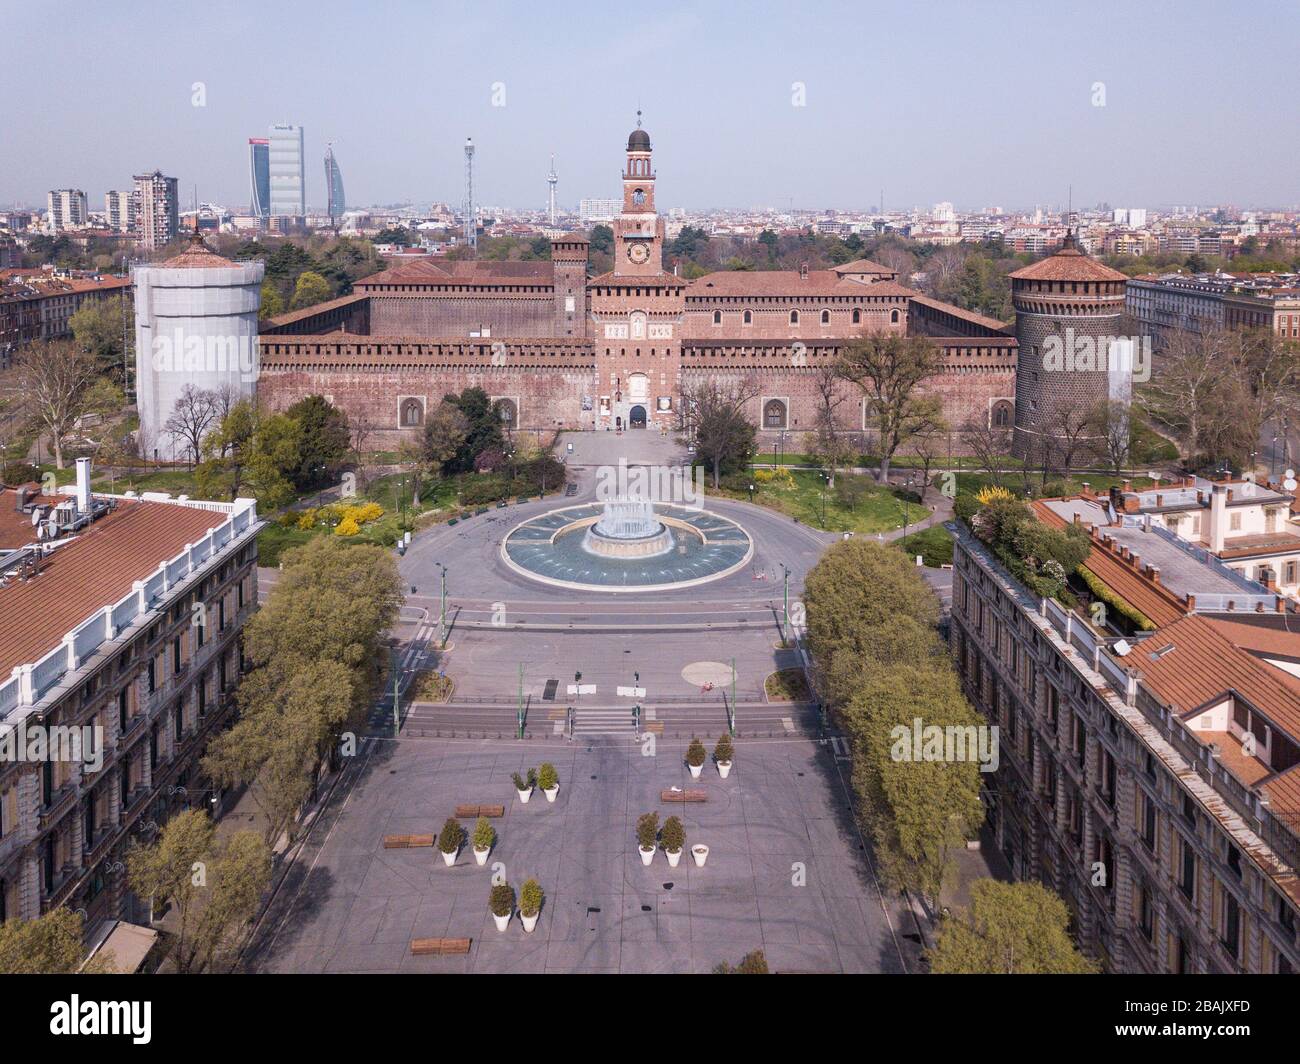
{"x": 195, "y": 324}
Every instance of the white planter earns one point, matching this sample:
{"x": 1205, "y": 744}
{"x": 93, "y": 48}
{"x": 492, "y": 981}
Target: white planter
{"x": 525, "y": 795}
{"x": 552, "y": 792}
{"x": 695, "y": 771}
{"x": 529, "y": 922}
{"x": 646, "y": 855}
{"x": 502, "y": 922}
{"x": 724, "y": 769}
{"x": 701, "y": 854}
{"x": 481, "y": 856}
{"x": 673, "y": 857}
{"x": 448, "y": 858}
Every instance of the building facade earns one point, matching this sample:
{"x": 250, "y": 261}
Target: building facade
{"x": 336, "y": 200}
{"x": 157, "y": 210}
{"x": 36, "y": 306}
{"x": 66, "y": 209}
{"x": 1149, "y": 776}
{"x": 120, "y": 210}
{"x": 619, "y": 350}
{"x": 98, "y": 638}
{"x": 1201, "y": 303}
{"x": 285, "y": 162}
{"x": 259, "y": 177}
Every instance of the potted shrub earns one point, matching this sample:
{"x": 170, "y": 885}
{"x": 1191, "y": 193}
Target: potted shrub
{"x": 696, "y": 755}
{"x": 530, "y": 904}
{"x": 525, "y": 784}
{"x": 484, "y": 836}
{"x": 673, "y": 839}
{"x": 723, "y": 753}
{"x": 647, "y": 833}
{"x": 549, "y": 780}
{"x": 450, "y": 839}
{"x": 502, "y": 903}
{"x": 700, "y": 853}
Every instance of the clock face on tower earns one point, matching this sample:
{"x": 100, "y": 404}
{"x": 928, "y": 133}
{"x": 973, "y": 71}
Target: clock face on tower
{"x": 638, "y": 253}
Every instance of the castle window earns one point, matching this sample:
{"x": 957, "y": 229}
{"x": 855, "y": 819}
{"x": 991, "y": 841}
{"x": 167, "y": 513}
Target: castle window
{"x": 794, "y": 317}
{"x": 717, "y": 317}
{"x": 749, "y": 317}
{"x": 1001, "y": 415}
{"x": 826, "y": 317}
{"x": 412, "y": 413}
{"x": 508, "y": 411}
{"x": 893, "y": 317}
{"x": 857, "y": 316}
{"x": 774, "y": 414}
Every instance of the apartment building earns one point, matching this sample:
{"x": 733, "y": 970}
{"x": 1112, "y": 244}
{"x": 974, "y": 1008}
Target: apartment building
{"x": 1203, "y": 302}
{"x": 156, "y": 207}
{"x": 39, "y": 306}
{"x": 65, "y": 209}
{"x": 120, "y": 210}
{"x": 1149, "y": 775}
{"x": 120, "y": 622}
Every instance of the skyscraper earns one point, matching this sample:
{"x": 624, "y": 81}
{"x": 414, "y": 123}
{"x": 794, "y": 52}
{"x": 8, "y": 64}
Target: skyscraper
{"x": 288, "y": 189}
{"x": 119, "y": 207}
{"x": 337, "y": 203}
{"x": 157, "y": 210}
{"x": 259, "y": 176}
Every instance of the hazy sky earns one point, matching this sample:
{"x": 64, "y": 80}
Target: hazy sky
{"x": 979, "y": 103}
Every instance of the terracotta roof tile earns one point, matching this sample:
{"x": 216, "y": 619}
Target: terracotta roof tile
{"x": 1068, "y": 264}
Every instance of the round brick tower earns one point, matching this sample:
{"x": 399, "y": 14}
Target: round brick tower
{"x": 1068, "y": 311}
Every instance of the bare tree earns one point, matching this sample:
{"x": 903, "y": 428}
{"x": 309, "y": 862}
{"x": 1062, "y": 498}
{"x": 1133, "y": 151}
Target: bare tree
{"x": 195, "y": 412}
{"x": 927, "y": 445}
{"x": 989, "y": 443}
{"x": 361, "y": 427}
{"x": 1189, "y": 370}
{"x": 55, "y": 384}
{"x": 890, "y": 369}
{"x": 835, "y": 447}
{"x": 1110, "y": 422}
{"x": 713, "y": 412}
{"x": 1067, "y": 437}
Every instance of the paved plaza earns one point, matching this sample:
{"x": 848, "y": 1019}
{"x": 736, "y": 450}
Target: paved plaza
{"x": 786, "y": 873}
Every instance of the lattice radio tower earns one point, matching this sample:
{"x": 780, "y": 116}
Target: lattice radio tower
{"x": 471, "y": 226}
{"x": 551, "y": 179}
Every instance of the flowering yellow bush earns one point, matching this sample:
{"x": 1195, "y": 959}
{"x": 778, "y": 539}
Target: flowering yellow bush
{"x": 992, "y": 494}
{"x": 365, "y": 513}
{"x": 347, "y": 527}
{"x": 307, "y": 520}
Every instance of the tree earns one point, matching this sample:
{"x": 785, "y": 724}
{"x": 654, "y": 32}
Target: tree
{"x": 834, "y": 447}
{"x": 54, "y": 382}
{"x": 482, "y": 428}
{"x": 1110, "y": 422}
{"x": 238, "y": 877}
{"x": 445, "y": 432}
{"x": 919, "y": 809}
{"x": 191, "y": 417}
{"x": 272, "y": 302}
{"x": 1010, "y": 929}
{"x": 253, "y": 449}
{"x": 714, "y": 415}
{"x": 752, "y": 963}
{"x": 172, "y": 869}
{"x": 927, "y": 446}
{"x": 1067, "y": 437}
{"x": 51, "y": 944}
{"x": 311, "y": 289}
{"x": 323, "y": 439}
{"x": 988, "y": 442}
{"x": 100, "y": 327}
{"x": 890, "y": 369}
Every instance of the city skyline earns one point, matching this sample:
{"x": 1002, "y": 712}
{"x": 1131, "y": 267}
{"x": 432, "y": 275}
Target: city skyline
{"x": 924, "y": 128}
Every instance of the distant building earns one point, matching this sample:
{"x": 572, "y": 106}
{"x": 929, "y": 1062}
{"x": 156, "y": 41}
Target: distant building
{"x": 157, "y": 210}
{"x": 1204, "y": 302}
{"x": 38, "y": 306}
{"x": 336, "y": 200}
{"x": 598, "y": 210}
{"x": 288, "y": 194}
{"x": 119, "y": 209}
{"x": 67, "y": 209}
{"x": 259, "y": 177}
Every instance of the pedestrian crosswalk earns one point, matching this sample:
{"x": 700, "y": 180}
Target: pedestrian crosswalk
{"x": 593, "y": 722}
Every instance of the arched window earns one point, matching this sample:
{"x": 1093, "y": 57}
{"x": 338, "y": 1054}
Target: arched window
{"x": 893, "y": 317}
{"x": 774, "y": 414}
{"x": 857, "y": 316}
{"x": 794, "y": 317}
{"x": 717, "y": 317}
{"x": 412, "y": 413}
{"x": 1001, "y": 415}
{"x": 749, "y": 317}
{"x": 508, "y": 411}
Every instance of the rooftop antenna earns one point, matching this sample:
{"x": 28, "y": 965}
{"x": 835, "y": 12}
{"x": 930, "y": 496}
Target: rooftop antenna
{"x": 471, "y": 228}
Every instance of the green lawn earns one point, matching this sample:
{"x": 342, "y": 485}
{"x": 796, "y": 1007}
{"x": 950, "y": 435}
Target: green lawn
{"x": 763, "y": 459}
{"x": 872, "y": 509}
{"x": 934, "y": 544}
{"x": 1014, "y": 481}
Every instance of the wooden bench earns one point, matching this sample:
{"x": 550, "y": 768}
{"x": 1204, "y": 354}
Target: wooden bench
{"x": 683, "y": 796}
{"x": 425, "y": 947}
{"x": 406, "y": 842}
{"x": 472, "y": 812}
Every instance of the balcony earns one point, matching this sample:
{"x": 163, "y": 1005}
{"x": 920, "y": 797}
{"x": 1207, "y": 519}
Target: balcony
{"x": 60, "y": 802}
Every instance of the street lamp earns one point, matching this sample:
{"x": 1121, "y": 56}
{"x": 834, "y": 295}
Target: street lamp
{"x": 825, "y": 480}
{"x": 751, "y": 493}
{"x": 785, "y": 624}
{"x": 442, "y": 622}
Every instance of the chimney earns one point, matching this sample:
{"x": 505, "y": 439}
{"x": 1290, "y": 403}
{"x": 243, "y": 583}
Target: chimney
{"x": 1153, "y": 571}
{"x": 1128, "y": 486}
{"x": 1218, "y": 518}
{"x": 803, "y": 271}
{"x": 83, "y": 485}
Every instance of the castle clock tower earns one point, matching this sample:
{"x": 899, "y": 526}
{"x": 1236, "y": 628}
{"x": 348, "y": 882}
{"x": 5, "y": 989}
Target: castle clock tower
{"x": 637, "y": 311}
{"x": 638, "y": 230}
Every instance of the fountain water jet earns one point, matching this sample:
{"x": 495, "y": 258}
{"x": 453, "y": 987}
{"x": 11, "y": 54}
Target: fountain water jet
{"x": 628, "y": 528}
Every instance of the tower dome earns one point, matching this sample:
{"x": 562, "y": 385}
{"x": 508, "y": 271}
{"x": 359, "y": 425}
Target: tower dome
{"x": 639, "y": 140}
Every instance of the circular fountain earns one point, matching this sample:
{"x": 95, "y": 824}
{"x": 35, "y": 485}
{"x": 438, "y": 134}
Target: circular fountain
{"x": 626, "y": 544}
{"x": 628, "y": 528}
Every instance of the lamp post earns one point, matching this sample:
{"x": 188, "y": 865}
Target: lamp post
{"x": 751, "y": 493}
{"x": 442, "y": 616}
{"x": 785, "y": 624}
{"x": 825, "y": 479}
